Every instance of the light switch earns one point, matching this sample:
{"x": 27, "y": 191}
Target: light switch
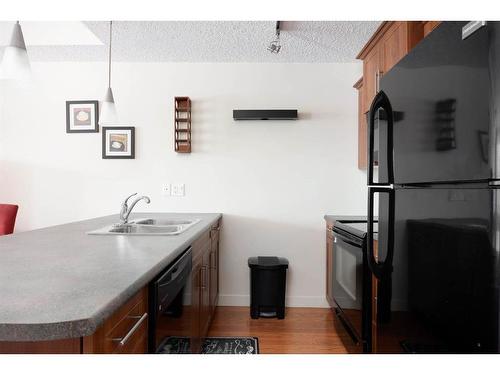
{"x": 165, "y": 190}
{"x": 178, "y": 190}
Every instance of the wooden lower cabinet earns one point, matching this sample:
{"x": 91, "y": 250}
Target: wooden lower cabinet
{"x": 214, "y": 268}
{"x": 65, "y": 346}
{"x": 196, "y": 306}
{"x": 126, "y": 331}
{"x": 329, "y": 265}
{"x": 205, "y": 284}
{"x": 205, "y": 294}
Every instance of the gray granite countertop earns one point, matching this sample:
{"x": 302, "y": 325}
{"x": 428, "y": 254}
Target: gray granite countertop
{"x": 59, "y": 282}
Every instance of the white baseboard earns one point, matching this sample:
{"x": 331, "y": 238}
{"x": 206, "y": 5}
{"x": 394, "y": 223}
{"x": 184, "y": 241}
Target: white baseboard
{"x": 291, "y": 301}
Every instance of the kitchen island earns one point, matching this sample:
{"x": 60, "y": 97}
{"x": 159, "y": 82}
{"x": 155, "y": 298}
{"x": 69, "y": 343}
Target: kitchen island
{"x": 59, "y": 284}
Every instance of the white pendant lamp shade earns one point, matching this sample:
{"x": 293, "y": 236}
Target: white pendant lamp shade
{"x": 108, "y": 115}
{"x": 15, "y": 62}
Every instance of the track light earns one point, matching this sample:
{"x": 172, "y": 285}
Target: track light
{"x": 275, "y": 45}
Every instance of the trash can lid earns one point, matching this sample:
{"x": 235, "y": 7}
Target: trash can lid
{"x": 267, "y": 262}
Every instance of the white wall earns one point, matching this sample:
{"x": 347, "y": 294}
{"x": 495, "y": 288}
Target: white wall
{"x": 273, "y": 181}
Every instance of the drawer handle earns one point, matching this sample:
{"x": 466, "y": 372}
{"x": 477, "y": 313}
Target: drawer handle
{"x": 123, "y": 340}
{"x": 204, "y": 272}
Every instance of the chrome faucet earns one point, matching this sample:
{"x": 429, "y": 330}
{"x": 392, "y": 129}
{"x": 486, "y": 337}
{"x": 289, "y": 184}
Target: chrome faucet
{"x": 126, "y": 210}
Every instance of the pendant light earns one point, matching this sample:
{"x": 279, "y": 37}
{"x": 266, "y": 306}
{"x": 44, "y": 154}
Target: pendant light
{"x": 108, "y": 115}
{"x": 15, "y": 62}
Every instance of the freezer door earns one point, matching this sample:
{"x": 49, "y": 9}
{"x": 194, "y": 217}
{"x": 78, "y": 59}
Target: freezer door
{"x": 442, "y": 93}
{"x": 442, "y": 295}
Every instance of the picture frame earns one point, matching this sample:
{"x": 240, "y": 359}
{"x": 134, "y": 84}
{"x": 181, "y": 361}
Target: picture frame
{"x": 82, "y": 116}
{"x": 118, "y": 142}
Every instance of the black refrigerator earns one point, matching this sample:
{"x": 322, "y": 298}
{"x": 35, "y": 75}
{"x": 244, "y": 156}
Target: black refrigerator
{"x": 433, "y": 181}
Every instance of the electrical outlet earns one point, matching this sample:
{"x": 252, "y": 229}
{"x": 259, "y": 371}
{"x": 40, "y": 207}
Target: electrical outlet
{"x": 166, "y": 190}
{"x": 178, "y": 190}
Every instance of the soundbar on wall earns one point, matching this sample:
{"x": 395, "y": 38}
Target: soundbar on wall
{"x": 265, "y": 114}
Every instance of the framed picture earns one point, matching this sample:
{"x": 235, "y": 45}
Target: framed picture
{"x": 118, "y": 142}
{"x": 82, "y": 116}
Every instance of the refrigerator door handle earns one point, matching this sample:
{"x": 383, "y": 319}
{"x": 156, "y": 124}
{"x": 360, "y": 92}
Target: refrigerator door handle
{"x": 381, "y": 269}
{"x": 381, "y": 101}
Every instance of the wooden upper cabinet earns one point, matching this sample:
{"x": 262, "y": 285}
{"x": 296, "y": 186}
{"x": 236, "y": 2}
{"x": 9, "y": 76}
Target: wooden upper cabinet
{"x": 428, "y": 26}
{"x": 388, "y": 45}
{"x": 362, "y": 127}
{"x": 371, "y": 71}
{"x": 394, "y": 45}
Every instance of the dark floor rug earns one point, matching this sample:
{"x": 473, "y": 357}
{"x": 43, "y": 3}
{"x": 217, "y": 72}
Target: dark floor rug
{"x": 212, "y": 345}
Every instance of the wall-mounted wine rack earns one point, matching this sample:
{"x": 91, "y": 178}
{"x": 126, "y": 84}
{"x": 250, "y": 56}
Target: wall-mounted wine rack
{"x": 182, "y": 124}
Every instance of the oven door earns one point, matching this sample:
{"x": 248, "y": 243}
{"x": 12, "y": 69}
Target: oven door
{"x": 348, "y": 282}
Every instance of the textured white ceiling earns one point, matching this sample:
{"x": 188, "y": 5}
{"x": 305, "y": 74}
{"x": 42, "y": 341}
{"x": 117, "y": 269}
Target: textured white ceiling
{"x": 217, "y": 41}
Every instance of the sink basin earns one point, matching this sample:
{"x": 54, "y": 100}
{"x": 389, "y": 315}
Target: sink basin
{"x": 145, "y": 229}
{"x": 148, "y": 227}
{"x": 165, "y": 221}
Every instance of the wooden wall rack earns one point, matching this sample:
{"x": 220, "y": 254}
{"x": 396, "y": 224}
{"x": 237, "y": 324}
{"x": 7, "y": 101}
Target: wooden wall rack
{"x": 182, "y": 124}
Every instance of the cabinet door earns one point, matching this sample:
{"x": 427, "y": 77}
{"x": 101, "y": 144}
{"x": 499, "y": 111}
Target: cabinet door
{"x": 329, "y": 267}
{"x": 371, "y": 72}
{"x": 196, "y": 293}
{"x": 394, "y": 45}
{"x": 205, "y": 294}
{"x": 214, "y": 270}
{"x": 362, "y": 128}
{"x": 429, "y": 26}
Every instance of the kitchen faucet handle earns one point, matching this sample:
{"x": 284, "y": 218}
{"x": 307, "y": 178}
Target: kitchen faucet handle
{"x": 126, "y": 199}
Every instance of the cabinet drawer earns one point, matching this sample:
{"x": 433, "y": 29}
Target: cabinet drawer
{"x": 126, "y": 331}
{"x": 129, "y": 331}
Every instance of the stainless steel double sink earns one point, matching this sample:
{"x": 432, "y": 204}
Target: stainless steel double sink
{"x": 148, "y": 227}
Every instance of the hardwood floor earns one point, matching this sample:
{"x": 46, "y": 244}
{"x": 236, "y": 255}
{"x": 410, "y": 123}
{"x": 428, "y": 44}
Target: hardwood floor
{"x": 304, "y": 330}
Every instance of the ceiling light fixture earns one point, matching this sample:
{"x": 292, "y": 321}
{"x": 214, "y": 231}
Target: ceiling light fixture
{"x": 109, "y": 115}
{"x": 275, "y": 45}
{"x": 15, "y": 62}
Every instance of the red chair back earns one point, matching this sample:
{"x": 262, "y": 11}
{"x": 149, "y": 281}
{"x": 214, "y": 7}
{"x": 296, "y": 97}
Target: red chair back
{"x": 8, "y": 213}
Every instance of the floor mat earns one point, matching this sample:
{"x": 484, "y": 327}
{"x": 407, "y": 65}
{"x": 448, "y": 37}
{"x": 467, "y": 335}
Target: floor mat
{"x": 212, "y": 345}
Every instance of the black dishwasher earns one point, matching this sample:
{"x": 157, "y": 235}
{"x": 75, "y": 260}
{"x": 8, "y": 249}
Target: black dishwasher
{"x": 170, "y": 306}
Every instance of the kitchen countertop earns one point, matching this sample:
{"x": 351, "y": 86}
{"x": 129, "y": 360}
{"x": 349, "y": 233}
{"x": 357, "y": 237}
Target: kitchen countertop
{"x": 59, "y": 282}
